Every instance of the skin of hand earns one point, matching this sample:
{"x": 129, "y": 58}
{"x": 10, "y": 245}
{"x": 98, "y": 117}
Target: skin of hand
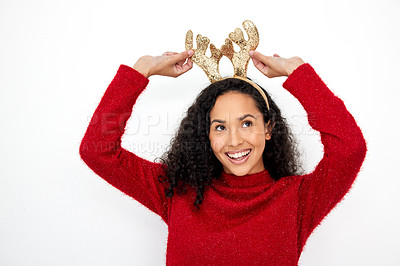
{"x": 275, "y": 66}
{"x": 169, "y": 64}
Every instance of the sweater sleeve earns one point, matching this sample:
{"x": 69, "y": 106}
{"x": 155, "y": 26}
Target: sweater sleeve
{"x": 101, "y": 148}
{"x": 344, "y": 150}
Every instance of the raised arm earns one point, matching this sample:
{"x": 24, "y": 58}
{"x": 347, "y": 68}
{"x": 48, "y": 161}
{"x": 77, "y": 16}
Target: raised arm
{"x": 101, "y": 147}
{"x": 344, "y": 148}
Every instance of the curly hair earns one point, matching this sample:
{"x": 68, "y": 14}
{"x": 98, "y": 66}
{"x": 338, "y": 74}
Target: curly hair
{"x": 190, "y": 161}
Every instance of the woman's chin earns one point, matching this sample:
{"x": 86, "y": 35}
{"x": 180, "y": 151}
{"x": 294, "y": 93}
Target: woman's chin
{"x": 236, "y": 172}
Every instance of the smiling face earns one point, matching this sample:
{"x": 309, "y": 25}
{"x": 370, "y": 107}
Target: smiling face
{"x": 238, "y": 133}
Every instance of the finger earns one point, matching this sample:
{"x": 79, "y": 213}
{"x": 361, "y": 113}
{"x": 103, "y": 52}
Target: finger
{"x": 260, "y": 57}
{"x": 260, "y": 66}
{"x": 179, "y": 70}
{"x": 257, "y": 63}
{"x": 276, "y": 55}
{"x": 186, "y": 67}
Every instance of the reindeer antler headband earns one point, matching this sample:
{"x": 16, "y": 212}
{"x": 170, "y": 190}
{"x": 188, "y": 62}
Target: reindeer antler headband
{"x": 240, "y": 60}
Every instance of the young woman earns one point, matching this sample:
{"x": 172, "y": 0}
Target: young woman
{"x": 240, "y": 198}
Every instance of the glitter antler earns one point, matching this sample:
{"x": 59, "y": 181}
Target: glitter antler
{"x": 210, "y": 65}
{"x": 241, "y": 59}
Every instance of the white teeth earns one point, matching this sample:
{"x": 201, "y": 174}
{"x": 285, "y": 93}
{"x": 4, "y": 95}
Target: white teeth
{"x": 238, "y": 155}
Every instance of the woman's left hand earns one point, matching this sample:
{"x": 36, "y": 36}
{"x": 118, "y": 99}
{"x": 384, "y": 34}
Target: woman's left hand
{"x": 275, "y": 66}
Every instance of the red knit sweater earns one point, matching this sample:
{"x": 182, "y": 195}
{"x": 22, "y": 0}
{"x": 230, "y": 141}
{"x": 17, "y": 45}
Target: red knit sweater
{"x": 243, "y": 220}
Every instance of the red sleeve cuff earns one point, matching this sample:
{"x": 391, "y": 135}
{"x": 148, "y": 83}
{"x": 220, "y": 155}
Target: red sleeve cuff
{"x": 133, "y": 75}
{"x": 299, "y": 75}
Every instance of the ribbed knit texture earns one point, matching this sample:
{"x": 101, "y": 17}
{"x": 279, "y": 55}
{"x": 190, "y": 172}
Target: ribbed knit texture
{"x": 243, "y": 220}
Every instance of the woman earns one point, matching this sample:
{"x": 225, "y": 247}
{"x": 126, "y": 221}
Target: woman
{"x": 235, "y": 158}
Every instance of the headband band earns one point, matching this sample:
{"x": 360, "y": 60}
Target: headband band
{"x": 254, "y": 85}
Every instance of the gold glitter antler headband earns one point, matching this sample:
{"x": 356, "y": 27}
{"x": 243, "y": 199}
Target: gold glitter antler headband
{"x": 208, "y": 64}
{"x": 240, "y": 60}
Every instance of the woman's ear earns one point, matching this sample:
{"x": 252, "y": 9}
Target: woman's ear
{"x": 268, "y": 130}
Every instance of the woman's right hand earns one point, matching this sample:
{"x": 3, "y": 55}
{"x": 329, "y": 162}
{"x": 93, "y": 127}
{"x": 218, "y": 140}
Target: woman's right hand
{"x": 169, "y": 64}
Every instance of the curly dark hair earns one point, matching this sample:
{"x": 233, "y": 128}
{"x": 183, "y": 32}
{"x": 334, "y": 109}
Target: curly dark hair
{"x": 190, "y": 161}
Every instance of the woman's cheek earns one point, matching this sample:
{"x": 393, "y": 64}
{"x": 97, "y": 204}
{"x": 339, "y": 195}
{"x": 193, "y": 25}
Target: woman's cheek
{"x": 217, "y": 143}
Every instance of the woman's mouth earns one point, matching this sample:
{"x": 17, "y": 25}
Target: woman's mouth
{"x": 238, "y": 157}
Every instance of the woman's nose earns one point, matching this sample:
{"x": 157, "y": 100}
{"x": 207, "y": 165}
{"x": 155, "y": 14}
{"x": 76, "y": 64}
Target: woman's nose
{"x": 235, "y": 138}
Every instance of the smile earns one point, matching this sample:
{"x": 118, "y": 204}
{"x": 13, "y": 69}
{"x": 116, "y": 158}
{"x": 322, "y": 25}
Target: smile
{"x": 239, "y": 157}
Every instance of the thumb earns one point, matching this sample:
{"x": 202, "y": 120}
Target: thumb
{"x": 183, "y": 55}
{"x": 260, "y": 57}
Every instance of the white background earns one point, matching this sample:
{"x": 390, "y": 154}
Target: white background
{"x": 58, "y": 57}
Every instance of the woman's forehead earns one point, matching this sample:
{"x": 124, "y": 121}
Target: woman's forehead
{"x": 234, "y": 104}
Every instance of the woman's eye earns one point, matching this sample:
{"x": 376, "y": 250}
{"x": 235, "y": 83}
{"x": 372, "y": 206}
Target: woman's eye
{"x": 219, "y": 127}
{"x": 247, "y": 123}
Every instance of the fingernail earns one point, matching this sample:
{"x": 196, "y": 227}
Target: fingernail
{"x": 190, "y": 52}
{"x": 251, "y": 53}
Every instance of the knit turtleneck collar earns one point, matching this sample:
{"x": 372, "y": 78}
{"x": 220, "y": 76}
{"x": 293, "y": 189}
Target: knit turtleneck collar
{"x": 249, "y": 180}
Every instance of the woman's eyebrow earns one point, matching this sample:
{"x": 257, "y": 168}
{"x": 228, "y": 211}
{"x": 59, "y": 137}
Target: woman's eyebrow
{"x": 239, "y": 118}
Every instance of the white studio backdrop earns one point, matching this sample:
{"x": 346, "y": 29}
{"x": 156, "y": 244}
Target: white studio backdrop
{"x": 57, "y": 59}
